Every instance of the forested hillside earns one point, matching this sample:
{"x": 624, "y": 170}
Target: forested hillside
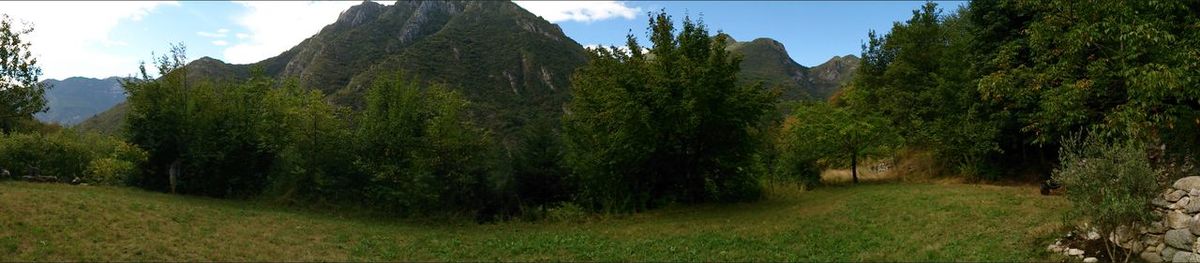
{"x": 73, "y": 100}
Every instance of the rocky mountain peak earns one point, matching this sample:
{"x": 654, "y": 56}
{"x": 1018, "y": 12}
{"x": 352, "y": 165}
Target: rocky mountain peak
{"x": 361, "y": 13}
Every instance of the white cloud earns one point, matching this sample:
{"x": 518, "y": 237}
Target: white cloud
{"x": 276, "y": 26}
{"x": 220, "y": 43}
{"x": 211, "y": 35}
{"x": 579, "y": 11}
{"x": 69, "y": 37}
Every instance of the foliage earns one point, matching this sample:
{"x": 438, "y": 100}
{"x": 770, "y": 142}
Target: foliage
{"x": 919, "y": 78}
{"x": 538, "y": 172}
{"x": 1111, "y": 182}
{"x": 67, "y": 155}
{"x": 818, "y": 130}
{"x": 237, "y": 139}
{"x": 421, "y": 152}
{"x": 21, "y": 94}
{"x": 642, "y": 131}
{"x": 312, "y": 140}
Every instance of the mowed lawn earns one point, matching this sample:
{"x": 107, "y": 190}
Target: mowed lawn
{"x": 874, "y": 222}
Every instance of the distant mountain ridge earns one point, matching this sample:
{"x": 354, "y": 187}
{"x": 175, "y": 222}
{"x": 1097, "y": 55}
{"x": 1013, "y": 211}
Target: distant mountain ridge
{"x": 76, "y": 99}
{"x": 767, "y": 60}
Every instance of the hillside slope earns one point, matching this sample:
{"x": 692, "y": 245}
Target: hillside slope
{"x": 75, "y": 99}
{"x": 882, "y": 222}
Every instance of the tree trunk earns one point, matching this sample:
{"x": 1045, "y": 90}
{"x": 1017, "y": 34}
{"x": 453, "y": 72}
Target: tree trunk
{"x": 854, "y": 167}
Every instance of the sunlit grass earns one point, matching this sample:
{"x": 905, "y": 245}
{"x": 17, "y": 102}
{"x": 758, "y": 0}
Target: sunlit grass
{"x": 893, "y": 222}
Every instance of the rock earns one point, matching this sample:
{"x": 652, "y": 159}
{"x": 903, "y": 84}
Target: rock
{"x": 1185, "y": 257}
{"x": 1187, "y": 183}
{"x": 1091, "y": 260}
{"x": 1092, "y": 235}
{"x": 1174, "y": 196}
{"x": 1054, "y": 248}
{"x": 1178, "y": 220}
{"x": 1180, "y": 238}
{"x": 1075, "y": 252}
{"x": 1194, "y": 192}
{"x": 1152, "y": 239}
{"x": 1160, "y": 202}
{"x": 1194, "y": 225}
{"x": 1151, "y": 257}
{"x": 1183, "y": 202}
{"x": 1192, "y": 207}
{"x": 1168, "y": 252}
{"x": 1157, "y": 228}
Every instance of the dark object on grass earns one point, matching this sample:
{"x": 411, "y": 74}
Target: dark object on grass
{"x": 40, "y": 179}
{"x": 4, "y": 174}
{"x": 76, "y": 181}
{"x": 1049, "y": 185}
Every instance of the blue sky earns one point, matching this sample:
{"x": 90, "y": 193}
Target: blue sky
{"x": 100, "y": 39}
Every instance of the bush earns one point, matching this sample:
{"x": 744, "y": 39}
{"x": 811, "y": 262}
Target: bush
{"x": 66, "y": 155}
{"x": 1110, "y": 182}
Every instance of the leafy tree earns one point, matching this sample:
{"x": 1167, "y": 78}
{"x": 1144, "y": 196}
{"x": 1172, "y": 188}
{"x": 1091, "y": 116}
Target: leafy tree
{"x": 21, "y": 94}
{"x": 215, "y": 134}
{"x": 919, "y": 78}
{"x": 311, "y": 139}
{"x": 421, "y": 152}
{"x": 666, "y": 125}
{"x": 1114, "y": 66}
{"x": 819, "y": 130}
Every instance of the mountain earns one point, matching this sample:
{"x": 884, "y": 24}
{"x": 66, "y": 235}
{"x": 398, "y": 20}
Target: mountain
{"x": 511, "y": 64}
{"x": 75, "y": 99}
{"x": 766, "y": 60}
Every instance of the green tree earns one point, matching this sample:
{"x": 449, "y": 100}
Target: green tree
{"x": 822, "y": 131}
{"x": 421, "y": 151}
{"x": 919, "y": 77}
{"x": 21, "y": 94}
{"x": 669, "y": 124}
{"x": 1058, "y": 67}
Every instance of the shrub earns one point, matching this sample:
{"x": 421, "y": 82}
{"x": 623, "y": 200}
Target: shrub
{"x": 1110, "y": 182}
{"x": 67, "y": 155}
{"x": 109, "y": 171}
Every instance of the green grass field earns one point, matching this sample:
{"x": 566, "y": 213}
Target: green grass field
{"x": 874, "y": 222}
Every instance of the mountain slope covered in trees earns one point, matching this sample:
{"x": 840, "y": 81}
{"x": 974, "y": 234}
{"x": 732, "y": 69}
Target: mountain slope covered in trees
{"x": 76, "y": 99}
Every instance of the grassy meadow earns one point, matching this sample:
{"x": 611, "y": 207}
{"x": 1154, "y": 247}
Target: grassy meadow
{"x": 873, "y": 222}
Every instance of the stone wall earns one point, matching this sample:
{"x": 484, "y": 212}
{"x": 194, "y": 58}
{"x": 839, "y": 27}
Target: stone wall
{"x": 1173, "y": 238}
